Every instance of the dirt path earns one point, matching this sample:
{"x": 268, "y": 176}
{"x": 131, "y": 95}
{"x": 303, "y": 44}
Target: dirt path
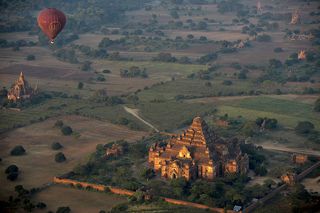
{"x": 135, "y": 113}
{"x": 290, "y": 150}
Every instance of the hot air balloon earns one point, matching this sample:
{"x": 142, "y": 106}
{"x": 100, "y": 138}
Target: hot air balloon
{"x": 51, "y": 21}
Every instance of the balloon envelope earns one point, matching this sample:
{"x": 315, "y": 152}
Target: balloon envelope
{"x": 51, "y": 21}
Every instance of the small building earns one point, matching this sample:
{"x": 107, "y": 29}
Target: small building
{"x": 114, "y": 151}
{"x": 302, "y": 55}
{"x": 222, "y": 123}
{"x": 299, "y": 158}
{"x": 289, "y": 178}
{"x": 296, "y": 18}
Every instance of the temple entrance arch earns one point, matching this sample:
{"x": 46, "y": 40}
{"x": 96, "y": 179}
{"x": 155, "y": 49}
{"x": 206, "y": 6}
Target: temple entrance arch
{"x": 174, "y": 174}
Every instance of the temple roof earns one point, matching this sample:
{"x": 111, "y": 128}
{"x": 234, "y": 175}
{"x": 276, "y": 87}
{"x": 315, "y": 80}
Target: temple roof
{"x": 199, "y": 143}
{"x": 20, "y": 88}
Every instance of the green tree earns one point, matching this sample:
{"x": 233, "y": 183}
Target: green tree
{"x": 56, "y": 146}
{"x": 248, "y": 129}
{"x": 11, "y": 169}
{"x": 18, "y": 150}
{"x": 58, "y": 123}
{"x": 63, "y": 209}
{"x": 59, "y": 157}
{"x": 317, "y": 105}
{"x": 66, "y": 130}
{"x": 86, "y": 66}
{"x": 80, "y": 85}
{"x": 147, "y": 173}
{"x": 304, "y": 127}
{"x": 12, "y": 176}
{"x": 30, "y": 57}
{"x": 179, "y": 186}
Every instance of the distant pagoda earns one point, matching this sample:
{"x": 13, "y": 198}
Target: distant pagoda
{"x": 295, "y": 19}
{"x": 259, "y": 7}
{"x": 198, "y": 153}
{"x": 302, "y": 55}
{"x": 21, "y": 90}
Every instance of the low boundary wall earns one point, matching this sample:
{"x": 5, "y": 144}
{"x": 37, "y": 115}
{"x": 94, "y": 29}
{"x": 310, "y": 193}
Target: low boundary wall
{"x": 120, "y": 191}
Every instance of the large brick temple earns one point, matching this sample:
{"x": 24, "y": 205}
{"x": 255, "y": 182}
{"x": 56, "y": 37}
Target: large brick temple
{"x": 198, "y": 153}
{"x": 21, "y": 89}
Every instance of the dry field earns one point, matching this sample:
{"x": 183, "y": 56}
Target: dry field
{"x": 255, "y": 55}
{"x": 18, "y": 36}
{"x": 79, "y": 201}
{"x": 45, "y": 72}
{"x": 312, "y": 184}
{"x": 38, "y": 165}
{"x": 43, "y": 58}
{"x": 217, "y": 35}
{"x": 93, "y": 40}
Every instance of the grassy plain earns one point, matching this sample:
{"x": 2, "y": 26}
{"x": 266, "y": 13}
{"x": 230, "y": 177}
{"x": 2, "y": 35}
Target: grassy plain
{"x": 287, "y": 112}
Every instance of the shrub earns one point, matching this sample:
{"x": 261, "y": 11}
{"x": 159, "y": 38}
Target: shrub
{"x": 41, "y": 205}
{"x": 30, "y": 57}
{"x": 59, "y": 157}
{"x": 63, "y": 209}
{"x": 66, "y": 130}
{"x": 86, "y": 66}
{"x": 304, "y": 127}
{"x": 147, "y": 173}
{"x": 264, "y": 38}
{"x": 11, "y": 169}
{"x": 56, "y": 146}
{"x": 18, "y": 150}
{"x": 119, "y": 208}
{"x": 13, "y": 176}
{"x": 242, "y": 74}
{"x": 317, "y": 105}
{"x": 58, "y": 123}
{"x": 101, "y": 78}
{"x": 277, "y": 50}
{"x": 80, "y": 85}
{"x": 227, "y": 82}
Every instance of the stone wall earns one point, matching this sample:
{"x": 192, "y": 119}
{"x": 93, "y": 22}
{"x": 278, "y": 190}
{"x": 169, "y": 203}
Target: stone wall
{"x": 119, "y": 191}
{"x": 196, "y": 205}
{"x": 97, "y": 187}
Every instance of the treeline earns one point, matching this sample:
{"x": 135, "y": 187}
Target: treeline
{"x": 134, "y": 72}
{"x": 83, "y": 15}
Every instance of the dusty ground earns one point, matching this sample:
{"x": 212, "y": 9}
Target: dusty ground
{"x": 38, "y": 165}
{"x": 43, "y": 58}
{"x": 312, "y": 184}
{"x": 80, "y": 201}
{"x": 46, "y": 72}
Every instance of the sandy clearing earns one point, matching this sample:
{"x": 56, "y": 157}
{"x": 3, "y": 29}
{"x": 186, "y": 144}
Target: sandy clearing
{"x": 79, "y": 201}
